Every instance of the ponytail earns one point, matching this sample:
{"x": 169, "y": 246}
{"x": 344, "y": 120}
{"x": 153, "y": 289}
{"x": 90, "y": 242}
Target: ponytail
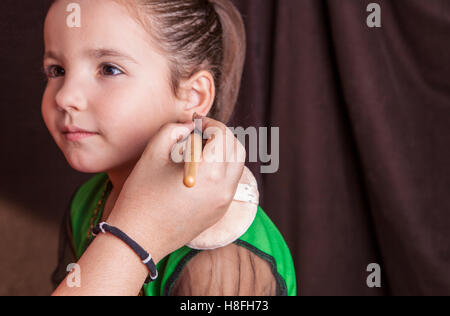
{"x": 234, "y": 51}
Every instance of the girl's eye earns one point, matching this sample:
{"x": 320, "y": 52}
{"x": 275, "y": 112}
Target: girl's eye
{"x": 55, "y": 71}
{"x": 110, "y": 70}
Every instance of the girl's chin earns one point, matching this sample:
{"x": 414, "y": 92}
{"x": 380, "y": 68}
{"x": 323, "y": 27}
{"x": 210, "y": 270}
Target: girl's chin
{"x": 86, "y": 166}
{"x": 85, "y": 169}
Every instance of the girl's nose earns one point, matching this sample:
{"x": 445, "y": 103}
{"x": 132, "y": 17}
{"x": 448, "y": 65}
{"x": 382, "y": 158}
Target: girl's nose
{"x": 70, "y": 97}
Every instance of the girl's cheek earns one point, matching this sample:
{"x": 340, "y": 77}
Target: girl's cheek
{"x": 46, "y": 115}
{"x": 49, "y": 111}
{"x": 47, "y": 97}
{"x": 44, "y": 108}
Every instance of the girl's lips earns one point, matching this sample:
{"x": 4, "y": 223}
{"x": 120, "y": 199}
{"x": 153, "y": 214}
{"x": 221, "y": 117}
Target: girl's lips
{"x": 76, "y": 136}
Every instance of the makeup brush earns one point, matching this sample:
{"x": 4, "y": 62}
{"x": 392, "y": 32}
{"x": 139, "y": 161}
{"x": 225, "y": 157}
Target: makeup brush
{"x": 194, "y": 149}
{"x": 241, "y": 212}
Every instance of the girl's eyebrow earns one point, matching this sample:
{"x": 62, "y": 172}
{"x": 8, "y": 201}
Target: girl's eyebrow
{"x": 97, "y": 53}
{"x": 107, "y": 52}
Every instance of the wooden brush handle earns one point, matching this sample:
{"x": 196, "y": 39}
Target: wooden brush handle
{"x": 194, "y": 150}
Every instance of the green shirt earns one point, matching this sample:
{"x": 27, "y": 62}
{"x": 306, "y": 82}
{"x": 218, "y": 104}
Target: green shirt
{"x": 262, "y": 238}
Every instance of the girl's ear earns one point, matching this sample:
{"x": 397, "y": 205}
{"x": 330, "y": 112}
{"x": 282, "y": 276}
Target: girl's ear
{"x": 199, "y": 92}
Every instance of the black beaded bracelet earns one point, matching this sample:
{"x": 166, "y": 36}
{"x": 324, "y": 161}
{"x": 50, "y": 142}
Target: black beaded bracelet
{"x": 144, "y": 255}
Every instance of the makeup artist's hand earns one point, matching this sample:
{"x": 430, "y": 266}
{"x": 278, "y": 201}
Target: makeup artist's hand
{"x": 158, "y": 210}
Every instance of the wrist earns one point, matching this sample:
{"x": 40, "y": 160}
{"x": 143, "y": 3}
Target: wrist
{"x": 146, "y": 258}
{"x": 146, "y": 235}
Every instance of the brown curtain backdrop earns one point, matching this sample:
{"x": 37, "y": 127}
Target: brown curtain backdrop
{"x": 364, "y": 119}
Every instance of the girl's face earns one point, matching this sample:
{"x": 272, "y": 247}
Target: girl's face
{"x": 105, "y": 77}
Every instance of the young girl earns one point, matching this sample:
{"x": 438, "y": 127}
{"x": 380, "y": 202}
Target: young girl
{"x": 117, "y": 86}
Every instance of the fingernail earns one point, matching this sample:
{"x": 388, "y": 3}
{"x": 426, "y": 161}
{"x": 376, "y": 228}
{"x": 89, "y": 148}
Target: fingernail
{"x": 197, "y": 116}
